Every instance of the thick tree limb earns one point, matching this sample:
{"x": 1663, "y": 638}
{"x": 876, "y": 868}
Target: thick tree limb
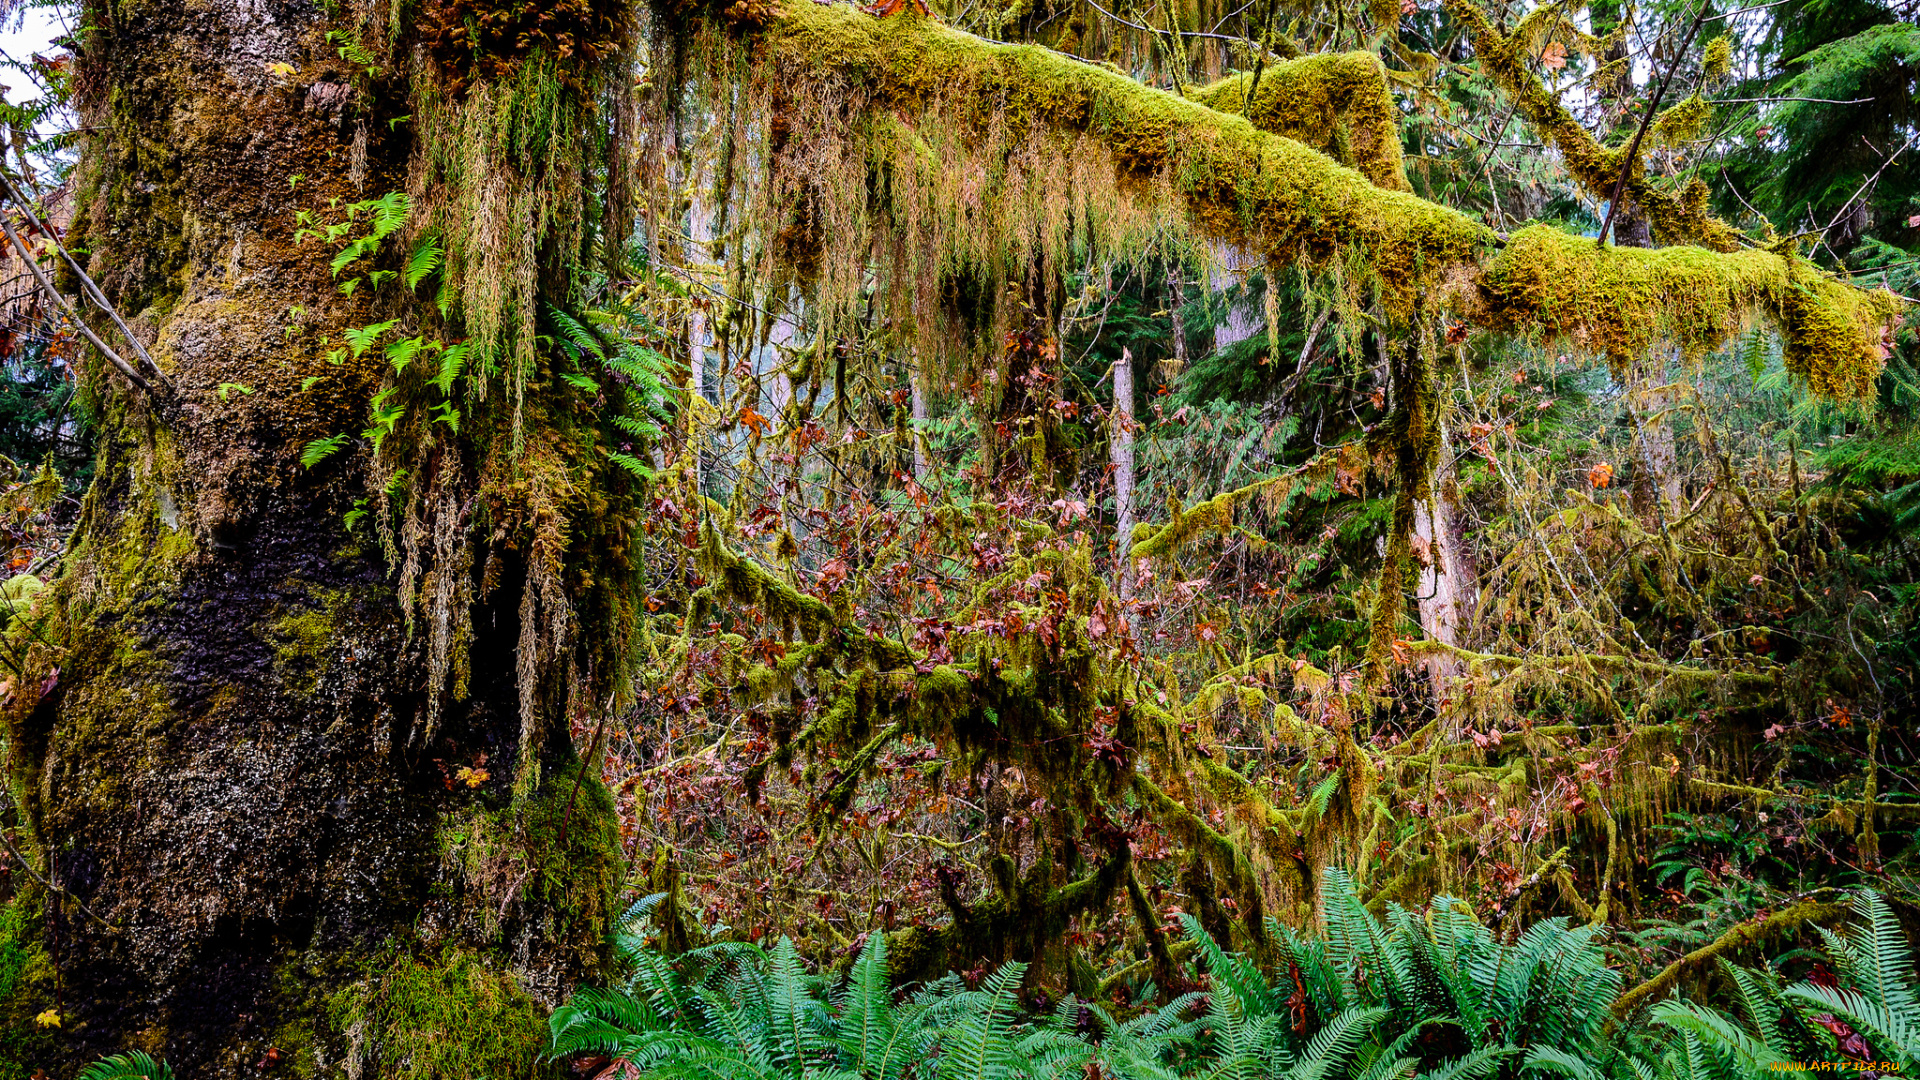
{"x": 1228, "y": 180}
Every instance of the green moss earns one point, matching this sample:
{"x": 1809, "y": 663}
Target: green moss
{"x": 1622, "y": 302}
{"x": 426, "y": 1018}
{"x": 1676, "y": 218}
{"x": 1683, "y": 123}
{"x": 26, "y": 977}
{"x": 573, "y": 832}
{"x": 305, "y": 639}
{"x": 1336, "y": 103}
{"x": 1132, "y": 158}
{"x": 16, "y": 596}
{"x": 553, "y": 857}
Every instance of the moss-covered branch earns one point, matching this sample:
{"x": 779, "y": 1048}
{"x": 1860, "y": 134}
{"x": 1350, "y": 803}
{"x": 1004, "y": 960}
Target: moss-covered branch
{"x": 1747, "y": 933}
{"x": 1336, "y": 103}
{"x": 1224, "y": 177}
{"x": 1230, "y": 181}
{"x": 1608, "y": 662}
{"x": 1676, "y": 218}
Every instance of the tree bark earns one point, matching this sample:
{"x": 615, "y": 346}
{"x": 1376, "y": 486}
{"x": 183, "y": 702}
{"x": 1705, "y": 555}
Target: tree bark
{"x": 219, "y": 742}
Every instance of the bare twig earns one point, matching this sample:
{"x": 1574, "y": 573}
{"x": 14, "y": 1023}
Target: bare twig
{"x": 1157, "y": 30}
{"x": 91, "y": 290}
{"x": 1745, "y": 10}
{"x": 1771, "y": 100}
{"x": 1870, "y": 182}
{"x": 60, "y": 301}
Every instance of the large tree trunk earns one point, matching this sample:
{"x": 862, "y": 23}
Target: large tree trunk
{"x": 257, "y": 847}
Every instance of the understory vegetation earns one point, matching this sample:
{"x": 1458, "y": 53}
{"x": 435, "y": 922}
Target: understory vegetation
{"x": 1433, "y": 995}
{"x": 1314, "y": 539}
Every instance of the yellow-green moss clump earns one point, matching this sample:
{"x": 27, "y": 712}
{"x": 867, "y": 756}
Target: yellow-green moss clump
{"x": 450, "y": 1015}
{"x": 1683, "y": 123}
{"x": 1336, "y": 103}
{"x": 1622, "y": 302}
{"x": 16, "y": 596}
{"x": 26, "y": 976}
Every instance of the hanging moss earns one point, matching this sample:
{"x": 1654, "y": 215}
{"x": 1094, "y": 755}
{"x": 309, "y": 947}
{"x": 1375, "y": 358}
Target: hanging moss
{"x": 1132, "y": 160}
{"x": 977, "y": 101}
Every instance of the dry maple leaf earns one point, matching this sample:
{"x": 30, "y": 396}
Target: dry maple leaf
{"x": 1554, "y": 56}
{"x": 890, "y": 7}
{"x": 1600, "y": 475}
{"x": 754, "y": 421}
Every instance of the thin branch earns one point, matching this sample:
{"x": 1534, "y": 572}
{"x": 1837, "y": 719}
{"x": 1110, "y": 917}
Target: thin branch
{"x": 1633, "y": 148}
{"x": 61, "y": 301}
{"x": 1238, "y": 11}
{"x": 1771, "y": 100}
{"x": 1156, "y": 30}
{"x": 1745, "y": 10}
{"x": 91, "y": 290}
{"x": 1870, "y": 182}
{"x": 48, "y": 885}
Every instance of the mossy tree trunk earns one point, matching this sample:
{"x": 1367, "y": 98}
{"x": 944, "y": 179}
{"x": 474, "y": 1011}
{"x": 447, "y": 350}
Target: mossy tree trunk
{"x": 258, "y": 850}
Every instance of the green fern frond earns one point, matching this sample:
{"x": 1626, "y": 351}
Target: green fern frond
{"x": 1475, "y": 1066}
{"x": 1895, "y": 1035}
{"x": 135, "y": 1065}
{"x": 426, "y": 258}
{"x": 1714, "y": 1030}
{"x": 320, "y": 450}
{"x": 1330, "y": 1049}
{"x": 1549, "y": 1060}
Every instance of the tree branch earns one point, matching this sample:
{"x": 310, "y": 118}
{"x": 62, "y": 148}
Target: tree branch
{"x": 1747, "y": 933}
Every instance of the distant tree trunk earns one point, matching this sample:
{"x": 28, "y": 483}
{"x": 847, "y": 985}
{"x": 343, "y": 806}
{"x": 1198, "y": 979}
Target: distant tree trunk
{"x": 917, "y": 387}
{"x": 1177, "y": 299}
{"x": 260, "y": 836}
{"x": 699, "y": 334}
{"x": 1447, "y": 580}
{"x": 1660, "y": 480}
